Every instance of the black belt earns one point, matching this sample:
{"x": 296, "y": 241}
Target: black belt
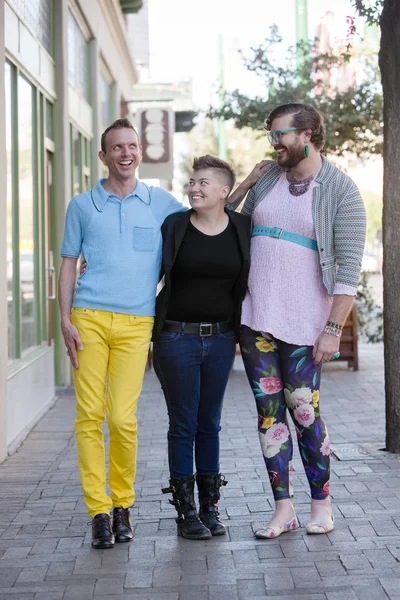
{"x": 202, "y": 329}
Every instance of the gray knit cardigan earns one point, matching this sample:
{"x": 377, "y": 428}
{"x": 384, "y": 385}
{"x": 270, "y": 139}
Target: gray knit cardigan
{"x": 339, "y": 221}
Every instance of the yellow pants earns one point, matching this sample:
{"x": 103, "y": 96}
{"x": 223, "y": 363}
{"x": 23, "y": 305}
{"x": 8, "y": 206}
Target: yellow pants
{"x": 109, "y": 380}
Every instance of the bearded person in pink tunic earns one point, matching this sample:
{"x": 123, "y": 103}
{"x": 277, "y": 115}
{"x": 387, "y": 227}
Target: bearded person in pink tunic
{"x": 307, "y": 244}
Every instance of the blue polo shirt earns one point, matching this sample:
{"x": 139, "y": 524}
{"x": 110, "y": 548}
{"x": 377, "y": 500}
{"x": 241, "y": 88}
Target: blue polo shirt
{"x": 121, "y": 242}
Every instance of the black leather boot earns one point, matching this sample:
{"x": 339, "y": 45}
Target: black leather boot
{"x": 122, "y": 525}
{"x": 209, "y": 495}
{"x": 188, "y": 522}
{"x": 102, "y": 534}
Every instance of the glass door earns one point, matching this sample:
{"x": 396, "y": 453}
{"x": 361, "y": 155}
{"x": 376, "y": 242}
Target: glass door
{"x": 51, "y": 274}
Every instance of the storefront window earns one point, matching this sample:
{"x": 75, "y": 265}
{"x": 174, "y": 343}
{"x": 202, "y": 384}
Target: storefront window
{"x": 37, "y": 14}
{"x": 10, "y": 276}
{"x": 76, "y": 161}
{"x": 80, "y": 162}
{"x": 86, "y": 164}
{"x": 49, "y": 120}
{"x": 26, "y": 213}
{"x": 78, "y": 59}
{"x": 105, "y": 102}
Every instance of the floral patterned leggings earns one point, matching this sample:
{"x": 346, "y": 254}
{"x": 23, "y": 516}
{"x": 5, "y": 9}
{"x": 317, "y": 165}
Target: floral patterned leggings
{"x": 284, "y": 376}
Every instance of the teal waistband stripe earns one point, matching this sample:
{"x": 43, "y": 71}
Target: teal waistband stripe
{"x": 289, "y": 236}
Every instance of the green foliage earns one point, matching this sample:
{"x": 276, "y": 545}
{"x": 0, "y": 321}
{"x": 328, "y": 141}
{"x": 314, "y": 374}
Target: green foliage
{"x": 244, "y": 148}
{"x": 370, "y": 315}
{"x": 370, "y": 9}
{"x": 354, "y": 115}
{"x": 373, "y": 206}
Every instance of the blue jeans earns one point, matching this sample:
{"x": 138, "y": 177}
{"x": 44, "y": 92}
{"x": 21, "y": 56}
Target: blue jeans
{"x": 193, "y": 372}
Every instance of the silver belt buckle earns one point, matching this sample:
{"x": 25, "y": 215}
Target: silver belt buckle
{"x": 205, "y": 325}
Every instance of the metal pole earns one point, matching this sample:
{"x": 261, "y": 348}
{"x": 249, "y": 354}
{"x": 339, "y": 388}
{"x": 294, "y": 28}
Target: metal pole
{"x": 301, "y": 27}
{"x": 222, "y": 153}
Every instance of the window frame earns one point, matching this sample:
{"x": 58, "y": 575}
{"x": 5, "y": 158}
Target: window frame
{"x": 33, "y": 31}
{"x": 84, "y": 158}
{"x": 107, "y": 79}
{"x": 39, "y": 218}
{"x": 80, "y": 25}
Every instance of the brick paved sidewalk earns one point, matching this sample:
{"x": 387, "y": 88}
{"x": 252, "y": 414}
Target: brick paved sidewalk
{"x": 45, "y": 548}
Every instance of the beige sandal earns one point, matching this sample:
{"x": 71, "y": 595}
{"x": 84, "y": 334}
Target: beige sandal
{"x": 275, "y": 531}
{"x": 314, "y": 528}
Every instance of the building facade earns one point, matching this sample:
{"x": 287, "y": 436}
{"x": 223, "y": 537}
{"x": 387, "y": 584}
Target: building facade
{"x": 68, "y": 72}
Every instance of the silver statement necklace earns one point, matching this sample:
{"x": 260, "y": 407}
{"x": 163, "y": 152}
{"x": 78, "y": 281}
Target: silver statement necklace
{"x": 298, "y": 188}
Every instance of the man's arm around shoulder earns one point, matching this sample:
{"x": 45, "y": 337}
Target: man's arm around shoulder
{"x": 170, "y": 220}
{"x": 168, "y": 205}
{"x": 238, "y": 195}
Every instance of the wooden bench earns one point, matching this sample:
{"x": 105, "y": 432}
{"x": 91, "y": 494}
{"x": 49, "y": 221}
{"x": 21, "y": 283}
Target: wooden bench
{"x": 349, "y": 340}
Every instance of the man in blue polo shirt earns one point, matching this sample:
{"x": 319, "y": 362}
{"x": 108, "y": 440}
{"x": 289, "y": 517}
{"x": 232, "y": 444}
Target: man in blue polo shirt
{"x": 107, "y": 321}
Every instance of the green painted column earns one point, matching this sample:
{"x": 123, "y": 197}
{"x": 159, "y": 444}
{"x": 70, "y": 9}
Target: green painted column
{"x": 3, "y": 252}
{"x": 62, "y": 175}
{"x": 222, "y": 153}
{"x": 301, "y": 26}
{"x": 95, "y": 102}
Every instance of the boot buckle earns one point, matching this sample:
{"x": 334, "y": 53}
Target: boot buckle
{"x": 222, "y": 480}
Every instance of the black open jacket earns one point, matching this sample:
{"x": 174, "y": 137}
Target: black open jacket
{"x": 173, "y": 231}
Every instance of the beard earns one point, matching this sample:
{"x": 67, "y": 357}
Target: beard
{"x": 292, "y": 157}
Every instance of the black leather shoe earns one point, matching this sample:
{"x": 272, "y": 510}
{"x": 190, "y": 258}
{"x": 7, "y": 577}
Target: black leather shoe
{"x": 102, "y": 535}
{"x": 122, "y": 525}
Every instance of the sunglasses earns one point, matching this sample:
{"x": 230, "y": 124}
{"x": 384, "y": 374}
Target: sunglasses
{"x": 275, "y": 137}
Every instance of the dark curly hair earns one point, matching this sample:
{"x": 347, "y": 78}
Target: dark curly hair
{"x": 305, "y": 116}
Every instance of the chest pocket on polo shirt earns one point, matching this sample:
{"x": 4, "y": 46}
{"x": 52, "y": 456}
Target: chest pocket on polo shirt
{"x": 143, "y": 239}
